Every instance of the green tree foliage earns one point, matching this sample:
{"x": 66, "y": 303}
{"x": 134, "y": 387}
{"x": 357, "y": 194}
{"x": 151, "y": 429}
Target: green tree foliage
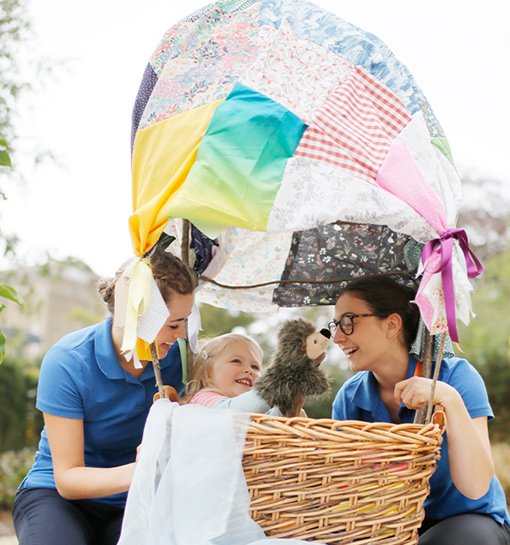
{"x": 9, "y": 293}
{"x": 20, "y": 422}
{"x": 14, "y": 465}
{"x": 14, "y": 27}
{"x": 6, "y": 290}
{"x": 486, "y": 341}
{"x": 216, "y": 321}
{"x": 5, "y": 158}
{"x": 14, "y": 31}
{"x": 496, "y": 374}
{"x": 485, "y": 214}
{"x": 489, "y": 332}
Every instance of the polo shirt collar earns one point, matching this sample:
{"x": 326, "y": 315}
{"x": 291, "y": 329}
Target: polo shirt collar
{"x": 366, "y": 394}
{"x": 105, "y": 351}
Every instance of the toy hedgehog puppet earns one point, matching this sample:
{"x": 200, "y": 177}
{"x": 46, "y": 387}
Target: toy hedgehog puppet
{"x": 294, "y": 372}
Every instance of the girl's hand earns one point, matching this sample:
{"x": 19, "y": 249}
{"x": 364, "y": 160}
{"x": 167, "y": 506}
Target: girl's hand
{"x": 170, "y": 394}
{"x": 415, "y": 392}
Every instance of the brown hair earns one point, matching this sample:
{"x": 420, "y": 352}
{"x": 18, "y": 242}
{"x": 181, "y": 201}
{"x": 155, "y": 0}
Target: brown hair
{"x": 384, "y": 297}
{"x": 169, "y": 272}
{"x": 200, "y": 374}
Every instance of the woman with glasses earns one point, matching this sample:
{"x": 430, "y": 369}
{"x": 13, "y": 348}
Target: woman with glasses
{"x": 375, "y": 324}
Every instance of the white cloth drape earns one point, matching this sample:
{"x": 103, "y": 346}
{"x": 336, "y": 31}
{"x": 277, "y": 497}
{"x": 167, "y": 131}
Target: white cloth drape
{"x": 189, "y": 487}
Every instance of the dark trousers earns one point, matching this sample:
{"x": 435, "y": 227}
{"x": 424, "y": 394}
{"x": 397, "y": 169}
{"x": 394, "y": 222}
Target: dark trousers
{"x": 467, "y": 529}
{"x": 43, "y": 517}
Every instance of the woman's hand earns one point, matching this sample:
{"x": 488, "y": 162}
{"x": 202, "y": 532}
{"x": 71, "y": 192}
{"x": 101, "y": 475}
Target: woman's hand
{"x": 415, "y": 392}
{"x": 469, "y": 452}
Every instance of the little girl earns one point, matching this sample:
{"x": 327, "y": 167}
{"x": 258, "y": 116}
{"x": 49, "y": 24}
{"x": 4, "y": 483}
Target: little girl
{"x": 224, "y": 373}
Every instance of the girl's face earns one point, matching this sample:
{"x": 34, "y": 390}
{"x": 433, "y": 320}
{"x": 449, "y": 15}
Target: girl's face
{"x": 368, "y": 343}
{"x": 235, "y": 369}
{"x": 175, "y": 326}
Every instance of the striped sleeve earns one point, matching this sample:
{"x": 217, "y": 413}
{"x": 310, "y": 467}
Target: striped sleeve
{"x": 207, "y": 398}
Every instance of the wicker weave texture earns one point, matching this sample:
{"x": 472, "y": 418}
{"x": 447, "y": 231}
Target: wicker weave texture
{"x": 339, "y": 482}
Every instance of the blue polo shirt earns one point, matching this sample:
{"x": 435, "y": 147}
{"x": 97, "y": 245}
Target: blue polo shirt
{"x": 358, "y": 399}
{"x": 82, "y": 378}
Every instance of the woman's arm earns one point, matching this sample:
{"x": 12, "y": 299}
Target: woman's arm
{"x": 75, "y": 481}
{"x": 470, "y": 457}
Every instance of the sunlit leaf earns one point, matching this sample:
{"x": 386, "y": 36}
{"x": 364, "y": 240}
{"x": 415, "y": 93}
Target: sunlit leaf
{"x": 8, "y": 292}
{"x": 5, "y": 160}
{"x": 2, "y": 347}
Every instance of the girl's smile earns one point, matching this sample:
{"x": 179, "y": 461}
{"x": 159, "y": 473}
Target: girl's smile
{"x": 247, "y": 381}
{"x": 235, "y": 369}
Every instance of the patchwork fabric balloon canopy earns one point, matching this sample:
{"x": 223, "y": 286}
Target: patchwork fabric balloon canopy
{"x": 303, "y": 154}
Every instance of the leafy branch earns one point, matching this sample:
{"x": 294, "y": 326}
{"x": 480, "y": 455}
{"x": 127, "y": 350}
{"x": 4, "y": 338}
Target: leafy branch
{"x": 6, "y": 290}
{"x": 5, "y": 158}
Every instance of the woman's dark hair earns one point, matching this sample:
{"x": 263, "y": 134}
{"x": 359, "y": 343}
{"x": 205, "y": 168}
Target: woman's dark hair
{"x": 169, "y": 272}
{"x": 384, "y": 297}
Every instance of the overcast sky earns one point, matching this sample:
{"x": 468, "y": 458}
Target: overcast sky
{"x": 456, "y": 50}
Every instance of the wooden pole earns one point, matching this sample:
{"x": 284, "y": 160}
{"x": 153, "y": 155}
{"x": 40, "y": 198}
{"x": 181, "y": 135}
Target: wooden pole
{"x": 420, "y": 415}
{"x": 157, "y": 372}
{"x": 434, "y": 378}
{"x": 185, "y": 244}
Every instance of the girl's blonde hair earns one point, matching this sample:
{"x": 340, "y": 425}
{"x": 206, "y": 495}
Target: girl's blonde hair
{"x": 200, "y": 374}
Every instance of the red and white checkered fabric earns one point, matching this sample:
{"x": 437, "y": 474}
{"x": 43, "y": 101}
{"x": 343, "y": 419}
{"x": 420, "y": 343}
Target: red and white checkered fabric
{"x": 355, "y": 126}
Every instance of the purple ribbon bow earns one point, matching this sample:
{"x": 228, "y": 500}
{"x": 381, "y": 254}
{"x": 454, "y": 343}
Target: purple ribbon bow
{"x": 444, "y": 246}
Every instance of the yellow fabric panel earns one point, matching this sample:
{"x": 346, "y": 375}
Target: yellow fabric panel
{"x": 163, "y": 155}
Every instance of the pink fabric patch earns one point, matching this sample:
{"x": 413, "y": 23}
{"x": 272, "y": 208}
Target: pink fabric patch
{"x": 425, "y": 306}
{"x": 400, "y": 176}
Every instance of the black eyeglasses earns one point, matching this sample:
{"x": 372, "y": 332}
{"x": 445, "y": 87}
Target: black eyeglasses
{"x": 345, "y": 323}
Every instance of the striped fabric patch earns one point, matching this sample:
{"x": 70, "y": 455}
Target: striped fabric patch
{"x": 355, "y": 126}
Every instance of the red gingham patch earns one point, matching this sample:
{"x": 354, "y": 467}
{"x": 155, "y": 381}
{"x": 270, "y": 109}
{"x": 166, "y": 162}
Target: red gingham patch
{"x": 355, "y": 126}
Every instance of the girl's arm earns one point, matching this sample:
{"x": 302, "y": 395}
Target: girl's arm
{"x": 249, "y": 402}
{"x": 75, "y": 481}
{"x": 470, "y": 457}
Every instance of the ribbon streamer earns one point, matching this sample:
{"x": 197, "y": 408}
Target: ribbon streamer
{"x": 443, "y": 246}
{"x": 139, "y": 293}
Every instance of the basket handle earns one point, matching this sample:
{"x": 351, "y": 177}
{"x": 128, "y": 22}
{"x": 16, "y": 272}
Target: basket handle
{"x": 439, "y": 417}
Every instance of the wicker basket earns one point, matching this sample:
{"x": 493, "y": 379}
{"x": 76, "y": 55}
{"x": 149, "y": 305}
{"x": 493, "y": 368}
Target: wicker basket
{"x": 339, "y": 482}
